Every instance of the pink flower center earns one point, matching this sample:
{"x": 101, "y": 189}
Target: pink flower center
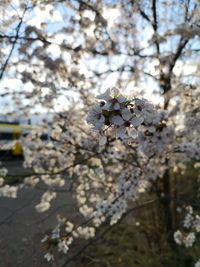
{"x": 127, "y": 123}
{"x": 114, "y": 100}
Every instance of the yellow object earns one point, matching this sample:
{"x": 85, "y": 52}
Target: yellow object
{"x": 10, "y": 137}
{"x": 17, "y": 149}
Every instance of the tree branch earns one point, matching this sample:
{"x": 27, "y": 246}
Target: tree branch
{"x": 3, "y": 69}
{"x": 155, "y": 25}
{"x": 178, "y": 53}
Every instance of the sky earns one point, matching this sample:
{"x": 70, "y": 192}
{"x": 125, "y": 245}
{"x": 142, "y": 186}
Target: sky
{"x": 55, "y": 22}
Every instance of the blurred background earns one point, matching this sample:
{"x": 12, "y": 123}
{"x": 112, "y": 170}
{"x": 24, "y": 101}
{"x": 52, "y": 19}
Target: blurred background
{"x": 56, "y": 55}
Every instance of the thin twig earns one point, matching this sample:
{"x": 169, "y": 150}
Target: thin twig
{"x": 3, "y": 69}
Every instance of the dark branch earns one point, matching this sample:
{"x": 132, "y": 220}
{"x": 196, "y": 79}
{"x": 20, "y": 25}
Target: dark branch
{"x": 178, "y": 53}
{"x": 155, "y": 25}
{"x": 3, "y": 69}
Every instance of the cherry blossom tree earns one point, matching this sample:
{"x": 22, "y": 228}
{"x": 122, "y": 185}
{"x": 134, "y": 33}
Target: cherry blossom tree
{"x": 122, "y": 80}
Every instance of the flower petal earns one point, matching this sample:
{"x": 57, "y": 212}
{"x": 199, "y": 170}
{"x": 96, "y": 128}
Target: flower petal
{"x": 117, "y": 120}
{"x": 121, "y": 132}
{"x": 126, "y": 114}
{"x": 137, "y": 121}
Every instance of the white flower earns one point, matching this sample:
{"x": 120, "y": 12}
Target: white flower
{"x": 43, "y": 206}
{"x": 126, "y": 114}
{"x": 189, "y": 240}
{"x": 133, "y": 133}
{"x": 122, "y": 115}
{"x": 48, "y": 196}
{"x": 117, "y": 120}
{"x": 96, "y": 118}
{"x": 188, "y": 220}
{"x": 113, "y": 99}
{"x": 139, "y": 105}
{"x": 69, "y": 240}
{"x": 137, "y": 121}
{"x": 62, "y": 246}
{"x": 116, "y": 106}
{"x": 122, "y": 99}
{"x": 69, "y": 227}
{"x": 105, "y": 96}
{"x": 111, "y": 93}
{"x": 178, "y": 237}
{"x": 48, "y": 256}
{"x": 9, "y": 191}
{"x": 44, "y": 239}
{"x": 121, "y": 132}
{"x": 32, "y": 181}
{"x": 197, "y": 264}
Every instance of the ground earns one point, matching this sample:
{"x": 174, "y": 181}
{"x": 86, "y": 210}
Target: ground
{"x": 22, "y": 228}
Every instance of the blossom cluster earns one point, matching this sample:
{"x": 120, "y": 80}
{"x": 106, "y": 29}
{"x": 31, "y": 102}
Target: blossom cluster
{"x": 191, "y": 228}
{"x": 123, "y": 115}
{"x": 101, "y": 196}
{"x": 141, "y": 145}
{"x": 46, "y": 198}
{"x": 63, "y": 235}
{"x": 6, "y": 190}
